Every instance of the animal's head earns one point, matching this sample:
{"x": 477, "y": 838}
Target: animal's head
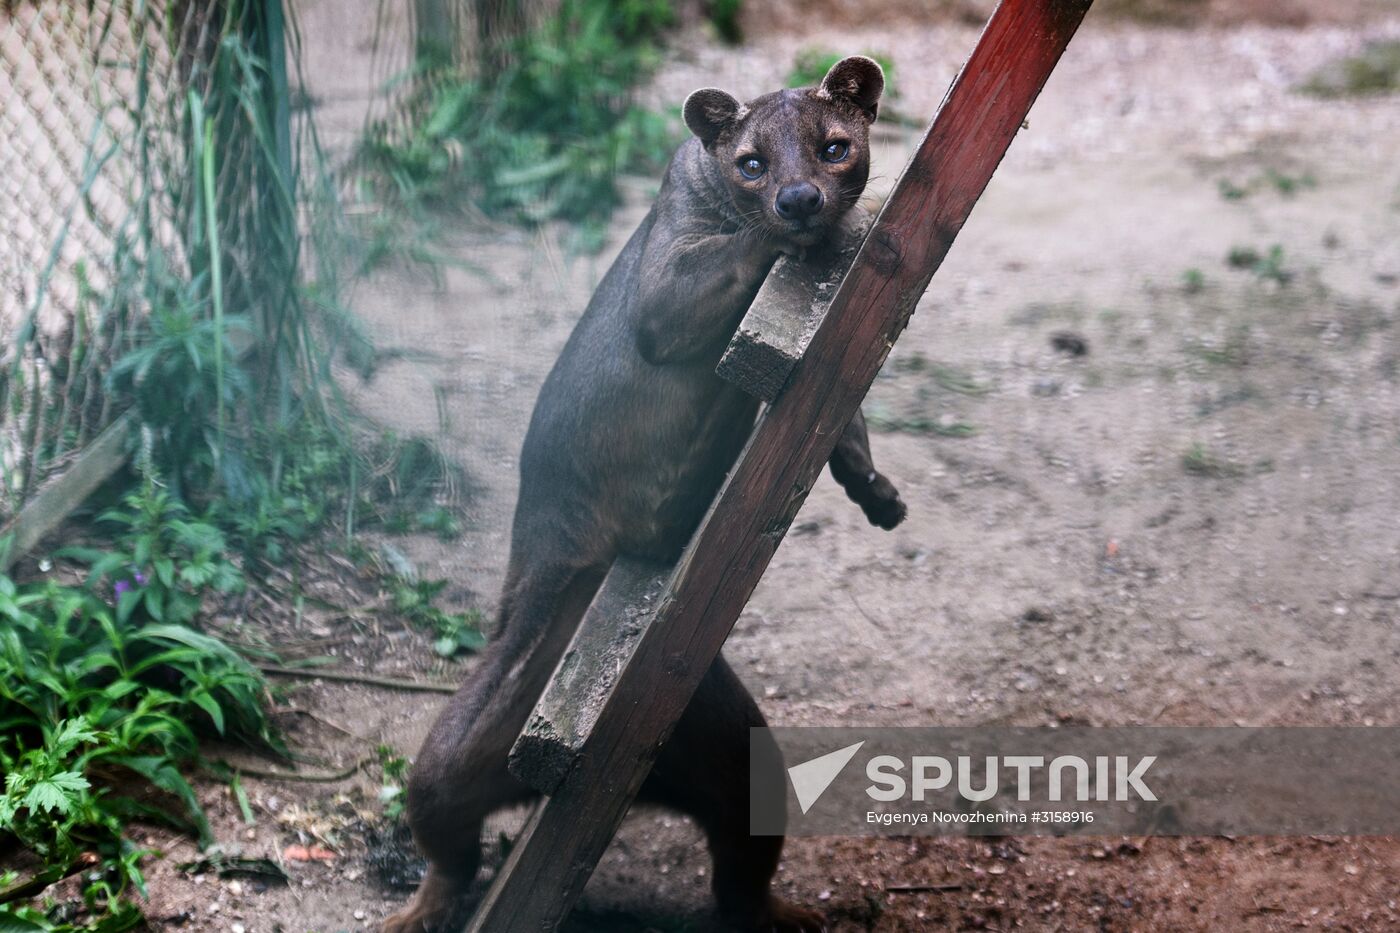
{"x": 795, "y": 160}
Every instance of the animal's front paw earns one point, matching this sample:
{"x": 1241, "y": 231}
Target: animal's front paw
{"x": 881, "y": 503}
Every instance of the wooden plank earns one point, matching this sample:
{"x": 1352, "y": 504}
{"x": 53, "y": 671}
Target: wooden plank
{"x": 52, "y": 504}
{"x": 568, "y": 712}
{"x": 979, "y": 118}
{"x": 786, "y": 312}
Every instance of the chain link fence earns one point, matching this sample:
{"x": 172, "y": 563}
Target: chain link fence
{"x": 149, "y": 150}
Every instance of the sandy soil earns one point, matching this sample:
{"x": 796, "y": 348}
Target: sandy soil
{"x": 1193, "y": 523}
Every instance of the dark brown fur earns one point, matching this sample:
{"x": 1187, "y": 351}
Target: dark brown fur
{"x": 630, "y": 439}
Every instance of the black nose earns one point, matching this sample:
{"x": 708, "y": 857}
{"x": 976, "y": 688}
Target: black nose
{"x": 798, "y": 201}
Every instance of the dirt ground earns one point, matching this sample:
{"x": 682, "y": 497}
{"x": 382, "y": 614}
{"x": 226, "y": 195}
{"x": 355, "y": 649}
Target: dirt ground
{"x": 1197, "y": 521}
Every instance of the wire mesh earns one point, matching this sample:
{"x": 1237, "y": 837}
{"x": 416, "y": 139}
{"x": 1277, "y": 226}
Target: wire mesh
{"x": 144, "y": 142}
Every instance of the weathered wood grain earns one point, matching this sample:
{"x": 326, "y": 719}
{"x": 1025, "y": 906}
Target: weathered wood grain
{"x": 786, "y": 312}
{"x": 568, "y": 712}
{"x": 981, "y": 115}
{"x": 52, "y": 504}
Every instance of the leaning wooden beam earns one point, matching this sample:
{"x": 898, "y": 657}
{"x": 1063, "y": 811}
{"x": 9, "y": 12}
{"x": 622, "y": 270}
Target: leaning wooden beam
{"x": 568, "y": 712}
{"x": 547, "y": 868}
{"x": 52, "y": 505}
{"x": 785, "y": 314}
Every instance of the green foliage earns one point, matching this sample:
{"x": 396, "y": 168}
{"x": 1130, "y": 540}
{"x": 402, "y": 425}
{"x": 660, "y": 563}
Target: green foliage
{"x": 544, "y": 135}
{"x": 812, "y": 63}
{"x": 108, "y": 686}
{"x": 1267, "y": 267}
{"x": 161, "y": 562}
{"x": 180, "y": 376}
{"x": 919, "y": 424}
{"x": 1199, "y": 461}
{"x": 392, "y": 794}
{"x": 1231, "y": 191}
{"x": 1375, "y": 70}
{"x": 1272, "y": 179}
{"x": 52, "y": 809}
{"x": 1156, "y": 12}
{"x": 724, "y": 16}
{"x": 453, "y": 632}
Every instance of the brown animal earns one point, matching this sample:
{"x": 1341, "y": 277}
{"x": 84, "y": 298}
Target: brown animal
{"x": 630, "y": 439}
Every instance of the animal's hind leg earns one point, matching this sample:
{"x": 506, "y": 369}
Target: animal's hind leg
{"x": 853, "y": 467}
{"x": 703, "y": 771}
{"x": 460, "y": 775}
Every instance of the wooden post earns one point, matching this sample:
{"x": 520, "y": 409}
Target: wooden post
{"x": 984, "y": 109}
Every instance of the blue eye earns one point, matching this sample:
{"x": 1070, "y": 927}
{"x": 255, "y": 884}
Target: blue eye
{"x": 751, "y": 167}
{"x": 836, "y": 151}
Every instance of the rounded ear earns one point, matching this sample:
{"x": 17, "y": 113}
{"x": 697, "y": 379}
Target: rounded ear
{"x": 857, "y": 79}
{"x": 709, "y": 112}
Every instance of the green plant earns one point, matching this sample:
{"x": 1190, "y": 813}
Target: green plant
{"x": 1288, "y": 185}
{"x": 547, "y": 133}
{"x": 162, "y": 562}
{"x": 952, "y": 379}
{"x": 1198, "y": 461}
{"x": 724, "y": 16}
{"x": 107, "y": 687}
{"x": 920, "y": 424}
{"x": 52, "y": 809}
{"x": 1375, "y": 70}
{"x": 1281, "y": 182}
{"x": 1231, "y": 191}
{"x": 182, "y": 377}
{"x": 92, "y": 703}
{"x": 1242, "y": 257}
{"x": 64, "y": 654}
{"x": 392, "y": 794}
{"x": 1157, "y": 12}
{"x": 1267, "y": 267}
{"x": 453, "y": 632}
{"x": 813, "y": 62}
{"x": 948, "y": 378}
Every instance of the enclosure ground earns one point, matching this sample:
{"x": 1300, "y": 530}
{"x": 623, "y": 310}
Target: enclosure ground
{"x": 1193, "y": 522}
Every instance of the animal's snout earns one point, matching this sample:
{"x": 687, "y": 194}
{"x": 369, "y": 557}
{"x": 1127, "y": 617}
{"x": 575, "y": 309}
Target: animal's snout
{"x": 798, "y": 201}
